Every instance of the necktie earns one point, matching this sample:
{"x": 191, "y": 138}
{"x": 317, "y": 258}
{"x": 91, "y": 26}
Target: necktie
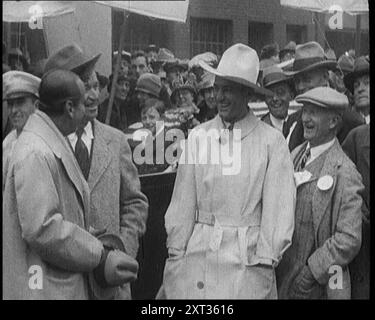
{"x": 82, "y": 154}
{"x": 304, "y": 159}
{"x": 285, "y": 129}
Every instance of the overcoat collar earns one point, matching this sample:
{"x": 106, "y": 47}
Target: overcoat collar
{"x": 101, "y": 154}
{"x": 44, "y": 127}
{"x": 246, "y": 124}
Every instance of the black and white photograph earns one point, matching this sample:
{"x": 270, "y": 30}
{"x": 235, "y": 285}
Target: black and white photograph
{"x": 192, "y": 150}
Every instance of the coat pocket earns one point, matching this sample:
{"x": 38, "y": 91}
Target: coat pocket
{"x": 248, "y": 239}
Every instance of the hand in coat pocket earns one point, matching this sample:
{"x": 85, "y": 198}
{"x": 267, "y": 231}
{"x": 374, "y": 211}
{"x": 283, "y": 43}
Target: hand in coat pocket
{"x": 305, "y": 286}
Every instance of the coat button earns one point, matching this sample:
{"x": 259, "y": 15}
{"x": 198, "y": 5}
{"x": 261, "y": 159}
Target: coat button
{"x": 200, "y": 285}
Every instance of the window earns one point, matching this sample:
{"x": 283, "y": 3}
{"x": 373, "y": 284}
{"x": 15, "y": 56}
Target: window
{"x": 259, "y": 35}
{"x": 209, "y": 35}
{"x": 140, "y": 31}
{"x": 295, "y": 33}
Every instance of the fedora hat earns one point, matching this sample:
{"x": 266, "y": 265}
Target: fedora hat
{"x": 71, "y": 57}
{"x": 239, "y": 64}
{"x": 311, "y": 56}
{"x": 273, "y": 75}
{"x": 361, "y": 67}
{"x": 346, "y": 63}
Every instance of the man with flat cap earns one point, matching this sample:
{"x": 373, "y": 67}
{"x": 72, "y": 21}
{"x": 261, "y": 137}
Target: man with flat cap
{"x": 117, "y": 206}
{"x": 327, "y": 233}
{"x": 275, "y": 80}
{"x": 310, "y": 70}
{"x": 229, "y": 222}
{"x": 47, "y": 248}
{"x": 20, "y": 90}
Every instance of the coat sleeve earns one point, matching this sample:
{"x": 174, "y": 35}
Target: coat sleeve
{"x": 278, "y": 204}
{"x": 133, "y": 203}
{"x": 344, "y": 244}
{"x": 57, "y": 241}
{"x": 180, "y": 215}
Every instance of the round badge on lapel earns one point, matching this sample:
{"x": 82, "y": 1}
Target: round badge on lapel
{"x": 325, "y": 183}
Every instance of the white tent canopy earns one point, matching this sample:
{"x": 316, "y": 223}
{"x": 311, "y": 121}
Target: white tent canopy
{"x": 351, "y": 7}
{"x": 23, "y": 11}
{"x": 166, "y": 10}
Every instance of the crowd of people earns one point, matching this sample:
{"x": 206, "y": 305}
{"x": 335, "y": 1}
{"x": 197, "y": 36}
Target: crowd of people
{"x": 297, "y": 205}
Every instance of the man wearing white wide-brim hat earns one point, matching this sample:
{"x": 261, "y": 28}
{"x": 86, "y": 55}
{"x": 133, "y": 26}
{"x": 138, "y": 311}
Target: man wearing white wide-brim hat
{"x": 228, "y": 226}
{"x": 327, "y": 233}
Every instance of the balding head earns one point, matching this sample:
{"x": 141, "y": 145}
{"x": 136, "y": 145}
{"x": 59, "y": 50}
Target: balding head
{"x": 57, "y": 87}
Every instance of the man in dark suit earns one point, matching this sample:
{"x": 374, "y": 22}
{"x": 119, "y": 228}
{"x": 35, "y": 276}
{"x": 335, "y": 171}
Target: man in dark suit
{"x": 117, "y": 205}
{"x": 281, "y": 85}
{"x": 310, "y": 70}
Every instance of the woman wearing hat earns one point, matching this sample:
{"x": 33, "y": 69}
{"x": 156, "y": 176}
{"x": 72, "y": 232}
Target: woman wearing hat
{"x": 183, "y": 115}
{"x": 207, "y": 107}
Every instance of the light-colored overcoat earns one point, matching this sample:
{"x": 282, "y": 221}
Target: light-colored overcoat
{"x": 117, "y": 203}
{"x": 227, "y": 231}
{"x": 45, "y": 209}
{"x": 336, "y": 214}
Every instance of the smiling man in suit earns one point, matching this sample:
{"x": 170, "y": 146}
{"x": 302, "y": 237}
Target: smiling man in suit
{"x": 310, "y": 70}
{"x": 117, "y": 205}
{"x": 328, "y": 211}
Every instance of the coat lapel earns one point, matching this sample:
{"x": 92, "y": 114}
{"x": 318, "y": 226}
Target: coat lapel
{"x": 43, "y": 126}
{"x": 322, "y": 198}
{"x": 101, "y": 154}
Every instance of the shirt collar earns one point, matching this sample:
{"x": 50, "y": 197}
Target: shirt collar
{"x": 318, "y": 150}
{"x": 87, "y": 131}
{"x": 277, "y": 123}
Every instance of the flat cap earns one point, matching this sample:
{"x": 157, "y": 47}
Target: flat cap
{"x": 324, "y": 97}
{"x": 18, "y": 84}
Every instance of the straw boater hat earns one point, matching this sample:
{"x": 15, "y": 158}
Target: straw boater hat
{"x": 71, "y": 57}
{"x": 239, "y": 64}
{"x": 361, "y": 67}
{"x": 310, "y": 56}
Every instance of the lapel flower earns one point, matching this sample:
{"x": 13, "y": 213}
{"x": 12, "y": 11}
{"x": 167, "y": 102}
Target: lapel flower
{"x": 302, "y": 177}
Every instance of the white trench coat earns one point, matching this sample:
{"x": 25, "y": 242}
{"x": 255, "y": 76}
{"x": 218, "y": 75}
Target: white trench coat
{"x": 226, "y": 233}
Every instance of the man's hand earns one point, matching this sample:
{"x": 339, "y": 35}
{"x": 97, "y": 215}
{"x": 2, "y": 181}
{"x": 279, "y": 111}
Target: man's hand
{"x": 304, "y": 284}
{"x": 115, "y": 268}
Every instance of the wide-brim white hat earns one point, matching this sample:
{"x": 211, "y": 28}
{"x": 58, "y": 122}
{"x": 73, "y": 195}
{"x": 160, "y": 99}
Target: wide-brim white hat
{"x": 239, "y": 64}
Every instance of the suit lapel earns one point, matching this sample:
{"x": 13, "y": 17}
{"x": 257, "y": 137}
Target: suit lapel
{"x": 101, "y": 154}
{"x": 322, "y": 198}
